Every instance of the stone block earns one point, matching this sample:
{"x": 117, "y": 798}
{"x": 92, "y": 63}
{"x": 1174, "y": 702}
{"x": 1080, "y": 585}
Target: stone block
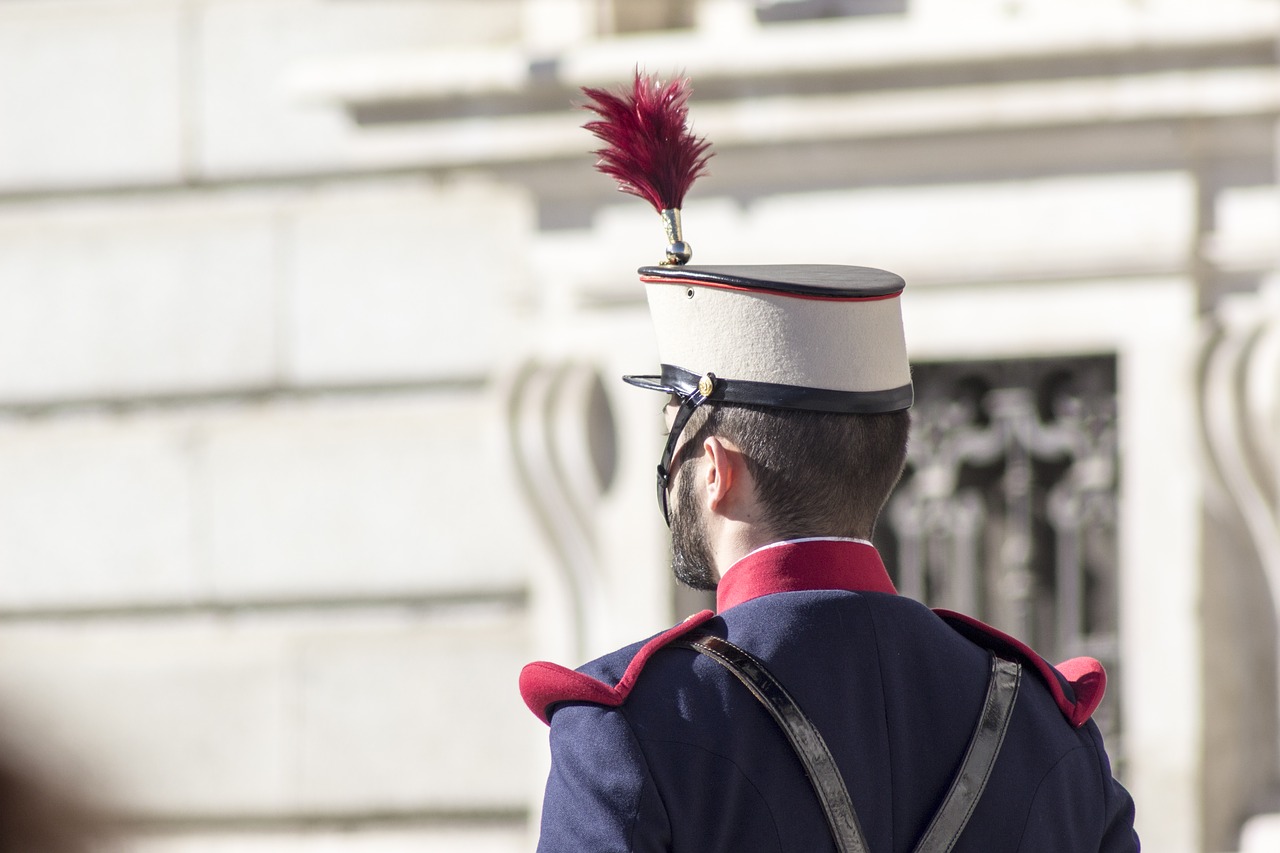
{"x": 415, "y": 716}
{"x": 95, "y": 511}
{"x": 90, "y": 93}
{"x": 402, "y": 282}
{"x": 251, "y": 122}
{"x": 123, "y": 299}
{"x": 1014, "y": 230}
{"x": 157, "y": 718}
{"x": 427, "y": 839}
{"x": 323, "y": 499}
{"x": 276, "y": 716}
{"x": 1245, "y": 222}
{"x": 372, "y": 496}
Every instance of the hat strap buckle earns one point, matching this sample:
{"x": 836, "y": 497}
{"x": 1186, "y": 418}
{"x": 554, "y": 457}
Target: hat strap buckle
{"x": 705, "y": 388}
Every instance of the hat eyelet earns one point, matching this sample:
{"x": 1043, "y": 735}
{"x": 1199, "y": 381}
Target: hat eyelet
{"x": 688, "y": 292}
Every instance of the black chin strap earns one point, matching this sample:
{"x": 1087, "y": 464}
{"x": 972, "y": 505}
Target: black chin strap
{"x": 706, "y": 385}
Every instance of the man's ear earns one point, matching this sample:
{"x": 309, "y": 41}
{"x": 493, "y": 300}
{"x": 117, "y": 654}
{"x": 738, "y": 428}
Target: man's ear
{"x": 720, "y": 472}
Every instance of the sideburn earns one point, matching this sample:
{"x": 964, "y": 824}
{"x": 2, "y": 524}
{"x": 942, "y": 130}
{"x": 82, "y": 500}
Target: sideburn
{"x": 690, "y": 553}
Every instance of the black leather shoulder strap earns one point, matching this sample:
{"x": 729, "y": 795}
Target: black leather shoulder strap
{"x": 984, "y": 745}
{"x": 966, "y": 788}
{"x": 800, "y": 731}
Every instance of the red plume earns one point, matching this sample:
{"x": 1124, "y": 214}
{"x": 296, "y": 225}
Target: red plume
{"x": 650, "y": 152}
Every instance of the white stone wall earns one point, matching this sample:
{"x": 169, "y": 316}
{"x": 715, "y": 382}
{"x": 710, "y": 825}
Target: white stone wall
{"x": 264, "y": 576}
{"x": 268, "y": 288}
{"x": 269, "y": 378}
{"x": 316, "y": 712}
{"x": 224, "y": 503}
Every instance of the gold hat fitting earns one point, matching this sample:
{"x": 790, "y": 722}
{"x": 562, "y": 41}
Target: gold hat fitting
{"x": 678, "y": 251}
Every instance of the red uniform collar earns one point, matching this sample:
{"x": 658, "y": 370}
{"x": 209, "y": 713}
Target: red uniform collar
{"x": 800, "y": 565}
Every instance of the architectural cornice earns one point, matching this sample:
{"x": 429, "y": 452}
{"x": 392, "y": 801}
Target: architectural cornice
{"x": 782, "y": 51}
{"x": 837, "y": 82}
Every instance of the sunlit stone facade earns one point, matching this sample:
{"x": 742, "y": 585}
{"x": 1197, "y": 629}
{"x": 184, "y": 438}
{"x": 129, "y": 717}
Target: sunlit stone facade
{"x": 312, "y": 313}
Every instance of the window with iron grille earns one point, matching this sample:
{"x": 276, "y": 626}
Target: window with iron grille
{"x": 1008, "y": 507}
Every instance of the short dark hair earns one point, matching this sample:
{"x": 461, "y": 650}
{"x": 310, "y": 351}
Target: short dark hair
{"x": 817, "y": 473}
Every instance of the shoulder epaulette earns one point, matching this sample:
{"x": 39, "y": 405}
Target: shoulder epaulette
{"x": 543, "y": 684}
{"x": 1076, "y": 685}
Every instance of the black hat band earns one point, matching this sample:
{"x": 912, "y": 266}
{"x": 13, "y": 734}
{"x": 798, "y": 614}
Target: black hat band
{"x": 683, "y": 383}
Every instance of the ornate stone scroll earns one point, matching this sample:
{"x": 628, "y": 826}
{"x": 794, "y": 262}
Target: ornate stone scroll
{"x": 562, "y": 441}
{"x": 1240, "y": 418}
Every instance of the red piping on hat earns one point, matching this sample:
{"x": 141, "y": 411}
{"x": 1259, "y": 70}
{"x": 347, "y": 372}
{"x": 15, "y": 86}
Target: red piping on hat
{"x": 649, "y": 279}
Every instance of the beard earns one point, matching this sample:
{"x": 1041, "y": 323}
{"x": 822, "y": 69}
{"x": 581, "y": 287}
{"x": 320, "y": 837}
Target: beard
{"x": 690, "y": 555}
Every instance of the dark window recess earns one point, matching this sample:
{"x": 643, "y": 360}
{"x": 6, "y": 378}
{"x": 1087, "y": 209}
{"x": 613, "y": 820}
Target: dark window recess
{"x": 1008, "y": 510}
{"x": 642, "y": 16}
{"x": 770, "y": 11}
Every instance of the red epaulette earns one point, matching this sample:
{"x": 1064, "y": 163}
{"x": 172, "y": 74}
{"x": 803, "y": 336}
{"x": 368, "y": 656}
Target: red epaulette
{"x": 1087, "y": 678}
{"x": 543, "y": 684}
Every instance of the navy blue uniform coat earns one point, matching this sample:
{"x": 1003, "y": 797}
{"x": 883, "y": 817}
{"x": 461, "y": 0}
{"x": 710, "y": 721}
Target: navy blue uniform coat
{"x": 660, "y": 749}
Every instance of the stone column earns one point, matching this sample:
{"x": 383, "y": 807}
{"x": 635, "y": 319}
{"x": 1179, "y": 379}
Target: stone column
{"x": 1240, "y": 416}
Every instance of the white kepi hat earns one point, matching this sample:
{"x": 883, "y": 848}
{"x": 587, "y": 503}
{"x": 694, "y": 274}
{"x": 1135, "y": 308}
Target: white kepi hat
{"x": 812, "y": 337}
{"x": 816, "y": 337}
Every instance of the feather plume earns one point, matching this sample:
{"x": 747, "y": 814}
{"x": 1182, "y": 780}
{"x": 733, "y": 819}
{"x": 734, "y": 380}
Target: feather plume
{"x": 650, "y": 151}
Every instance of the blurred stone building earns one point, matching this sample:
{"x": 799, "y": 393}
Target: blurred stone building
{"x": 311, "y": 314}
